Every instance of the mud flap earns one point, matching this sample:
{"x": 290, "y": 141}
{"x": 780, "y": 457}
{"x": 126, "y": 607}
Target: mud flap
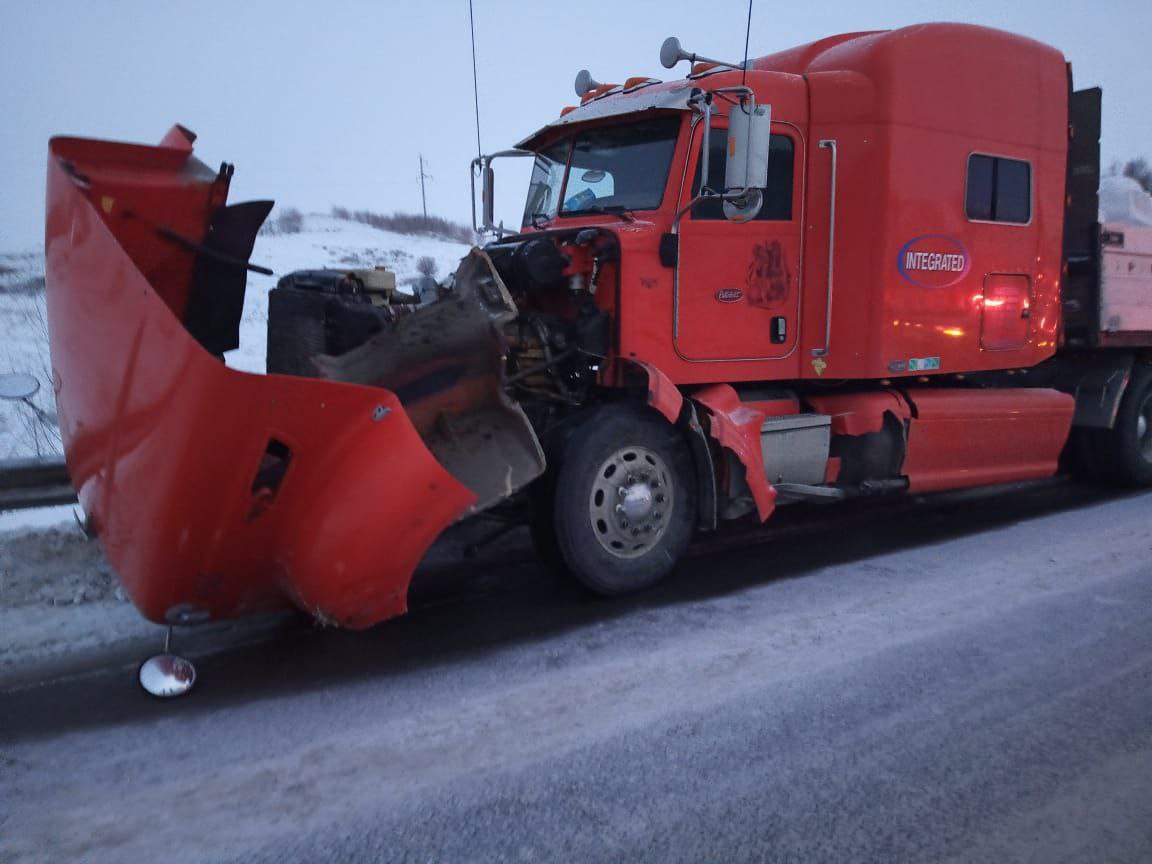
{"x": 736, "y": 427}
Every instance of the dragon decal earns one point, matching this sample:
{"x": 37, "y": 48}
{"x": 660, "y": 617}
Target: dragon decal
{"x": 769, "y": 280}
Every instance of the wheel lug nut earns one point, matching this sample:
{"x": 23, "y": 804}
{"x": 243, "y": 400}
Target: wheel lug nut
{"x": 619, "y": 508}
{"x": 659, "y": 499}
{"x": 656, "y": 515}
{"x": 621, "y": 491}
{"x": 635, "y": 532}
{"x": 623, "y": 523}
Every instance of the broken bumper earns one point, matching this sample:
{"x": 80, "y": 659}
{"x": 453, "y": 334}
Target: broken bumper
{"x": 214, "y": 492}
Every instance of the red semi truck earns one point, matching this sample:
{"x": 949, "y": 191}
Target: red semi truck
{"x": 863, "y": 266}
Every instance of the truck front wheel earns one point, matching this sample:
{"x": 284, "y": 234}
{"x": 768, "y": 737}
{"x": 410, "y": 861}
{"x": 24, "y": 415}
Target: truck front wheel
{"x": 1131, "y": 450}
{"x": 624, "y": 506}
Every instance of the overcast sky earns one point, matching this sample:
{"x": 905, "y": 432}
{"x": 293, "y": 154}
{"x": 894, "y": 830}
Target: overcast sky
{"x": 322, "y": 104}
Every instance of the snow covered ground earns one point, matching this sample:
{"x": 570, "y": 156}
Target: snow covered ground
{"x": 24, "y": 348}
{"x": 58, "y": 595}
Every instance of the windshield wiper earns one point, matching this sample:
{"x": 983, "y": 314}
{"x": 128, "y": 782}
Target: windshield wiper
{"x": 620, "y": 210}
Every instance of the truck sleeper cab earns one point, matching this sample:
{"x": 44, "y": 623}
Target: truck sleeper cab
{"x": 890, "y": 317}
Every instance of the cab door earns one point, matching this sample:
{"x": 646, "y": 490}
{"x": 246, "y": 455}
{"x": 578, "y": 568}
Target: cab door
{"x": 738, "y": 284}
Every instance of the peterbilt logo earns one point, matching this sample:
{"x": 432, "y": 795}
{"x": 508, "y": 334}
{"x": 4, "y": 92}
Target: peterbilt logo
{"x": 729, "y": 295}
{"x": 933, "y": 261}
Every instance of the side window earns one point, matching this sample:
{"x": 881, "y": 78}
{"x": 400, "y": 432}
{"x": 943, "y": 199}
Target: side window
{"x": 998, "y": 189}
{"x": 777, "y": 196}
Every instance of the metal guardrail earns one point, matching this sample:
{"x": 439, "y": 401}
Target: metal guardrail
{"x": 38, "y": 482}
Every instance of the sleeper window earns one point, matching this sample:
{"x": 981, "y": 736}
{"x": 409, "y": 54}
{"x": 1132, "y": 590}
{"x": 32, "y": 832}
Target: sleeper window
{"x": 998, "y": 189}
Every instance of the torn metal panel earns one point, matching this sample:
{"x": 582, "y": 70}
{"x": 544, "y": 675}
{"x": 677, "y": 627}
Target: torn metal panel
{"x": 861, "y": 413}
{"x": 663, "y": 395}
{"x": 736, "y": 427}
{"x": 446, "y": 363}
{"x": 670, "y": 96}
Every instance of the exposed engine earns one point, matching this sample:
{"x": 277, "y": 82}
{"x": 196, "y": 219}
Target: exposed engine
{"x": 313, "y": 312}
{"x": 557, "y": 343}
{"x": 554, "y": 345}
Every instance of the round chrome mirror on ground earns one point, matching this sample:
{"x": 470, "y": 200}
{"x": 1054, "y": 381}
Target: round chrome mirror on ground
{"x": 18, "y": 385}
{"x": 167, "y": 675}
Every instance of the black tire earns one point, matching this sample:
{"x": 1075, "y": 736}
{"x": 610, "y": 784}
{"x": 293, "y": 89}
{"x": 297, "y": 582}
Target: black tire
{"x": 542, "y": 495}
{"x": 1124, "y": 452}
{"x": 620, "y": 528}
{"x": 1079, "y": 456}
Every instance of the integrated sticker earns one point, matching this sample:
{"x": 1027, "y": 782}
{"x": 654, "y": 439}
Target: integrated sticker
{"x": 933, "y": 261}
{"x": 729, "y": 295}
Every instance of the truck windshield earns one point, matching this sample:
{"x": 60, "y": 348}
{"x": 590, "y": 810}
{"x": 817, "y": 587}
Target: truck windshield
{"x": 605, "y": 169}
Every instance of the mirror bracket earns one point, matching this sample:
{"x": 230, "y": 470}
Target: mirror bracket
{"x": 482, "y": 168}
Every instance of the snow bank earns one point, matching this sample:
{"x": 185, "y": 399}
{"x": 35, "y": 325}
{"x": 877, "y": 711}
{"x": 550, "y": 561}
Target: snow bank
{"x": 24, "y": 348}
{"x": 1122, "y": 199}
{"x": 59, "y": 599}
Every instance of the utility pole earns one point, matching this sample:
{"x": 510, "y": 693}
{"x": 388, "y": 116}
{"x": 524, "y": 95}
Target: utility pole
{"x": 423, "y": 176}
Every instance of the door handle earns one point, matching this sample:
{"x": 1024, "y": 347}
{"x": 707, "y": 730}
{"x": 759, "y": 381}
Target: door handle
{"x": 779, "y": 330}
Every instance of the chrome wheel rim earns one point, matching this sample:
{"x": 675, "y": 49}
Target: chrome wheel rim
{"x": 631, "y": 502}
{"x": 1144, "y": 429}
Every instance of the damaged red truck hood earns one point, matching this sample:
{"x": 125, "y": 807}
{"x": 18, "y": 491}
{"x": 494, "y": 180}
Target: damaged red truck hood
{"x": 214, "y": 492}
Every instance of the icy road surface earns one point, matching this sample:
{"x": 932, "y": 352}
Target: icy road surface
{"x": 963, "y": 679}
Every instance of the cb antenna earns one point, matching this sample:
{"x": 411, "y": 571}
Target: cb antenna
{"x": 747, "y": 35}
{"x": 475, "y": 80}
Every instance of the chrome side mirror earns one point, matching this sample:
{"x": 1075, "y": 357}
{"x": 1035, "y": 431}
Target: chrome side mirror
{"x": 746, "y": 165}
{"x": 743, "y": 207}
{"x": 482, "y": 168}
{"x": 488, "y": 195}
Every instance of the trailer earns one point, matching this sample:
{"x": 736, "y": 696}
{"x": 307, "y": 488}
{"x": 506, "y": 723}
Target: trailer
{"x": 869, "y": 265}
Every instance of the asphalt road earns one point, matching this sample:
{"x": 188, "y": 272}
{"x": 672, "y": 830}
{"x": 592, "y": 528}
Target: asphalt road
{"x": 963, "y": 679}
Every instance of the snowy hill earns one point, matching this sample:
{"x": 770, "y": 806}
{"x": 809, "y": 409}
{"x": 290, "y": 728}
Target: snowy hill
{"x": 324, "y": 242}
{"x": 327, "y": 242}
